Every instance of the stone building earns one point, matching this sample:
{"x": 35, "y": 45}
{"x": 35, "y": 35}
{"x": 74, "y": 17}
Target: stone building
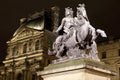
{"x": 27, "y": 49}
{"x": 109, "y": 52}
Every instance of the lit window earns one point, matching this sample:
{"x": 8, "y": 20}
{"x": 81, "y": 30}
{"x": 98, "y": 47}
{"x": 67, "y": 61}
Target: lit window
{"x": 103, "y": 54}
{"x": 24, "y": 48}
{"x": 37, "y": 44}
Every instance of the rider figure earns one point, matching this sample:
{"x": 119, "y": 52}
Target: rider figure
{"x": 67, "y": 22}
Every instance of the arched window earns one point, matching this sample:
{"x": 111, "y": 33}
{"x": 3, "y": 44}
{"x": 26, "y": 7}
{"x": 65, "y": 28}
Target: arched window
{"x": 24, "y": 48}
{"x": 37, "y": 45}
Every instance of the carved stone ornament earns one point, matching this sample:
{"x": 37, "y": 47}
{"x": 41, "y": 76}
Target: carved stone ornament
{"x": 78, "y": 36}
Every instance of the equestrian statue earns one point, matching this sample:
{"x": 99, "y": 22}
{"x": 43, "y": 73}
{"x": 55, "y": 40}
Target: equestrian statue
{"x": 76, "y": 36}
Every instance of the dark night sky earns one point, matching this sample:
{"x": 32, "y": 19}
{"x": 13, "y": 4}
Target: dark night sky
{"x": 103, "y": 14}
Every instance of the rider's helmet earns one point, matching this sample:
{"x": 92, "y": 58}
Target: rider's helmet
{"x": 68, "y": 11}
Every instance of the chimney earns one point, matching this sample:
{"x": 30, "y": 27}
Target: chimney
{"x": 55, "y": 17}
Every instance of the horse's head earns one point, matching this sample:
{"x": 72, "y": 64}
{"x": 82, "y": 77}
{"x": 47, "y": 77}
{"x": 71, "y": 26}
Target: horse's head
{"x": 81, "y": 12}
{"x": 80, "y": 9}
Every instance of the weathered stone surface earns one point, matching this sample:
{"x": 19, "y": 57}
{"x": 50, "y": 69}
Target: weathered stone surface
{"x": 77, "y": 69}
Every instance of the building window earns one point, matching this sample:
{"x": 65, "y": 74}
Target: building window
{"x": 103, "y": 55}
{"x": 24, "y": 48}
{"x": 34, "y": 77}
{"x": 37, "y": 44}
{"x": 119, "y": 73}
{"x": 14, "y": 50}
{"x": 30, "y": 46}
{"x": 119, "y": 52}
{"x": 19, "y": 76}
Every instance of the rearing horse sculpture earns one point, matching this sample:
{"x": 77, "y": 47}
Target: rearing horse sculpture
{"x": 81, "y": 36}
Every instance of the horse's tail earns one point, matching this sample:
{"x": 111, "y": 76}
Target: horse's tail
{"x": 101, "y": 32}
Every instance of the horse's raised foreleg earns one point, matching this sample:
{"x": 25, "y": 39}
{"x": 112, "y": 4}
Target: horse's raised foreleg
{"x": 101, "y": 32}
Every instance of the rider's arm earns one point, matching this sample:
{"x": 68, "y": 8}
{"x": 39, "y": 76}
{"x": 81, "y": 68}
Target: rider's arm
{"x": 61, "y": 26}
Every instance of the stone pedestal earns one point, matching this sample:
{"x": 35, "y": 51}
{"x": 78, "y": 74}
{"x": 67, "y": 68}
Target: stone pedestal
{"x": 77, "y": 69}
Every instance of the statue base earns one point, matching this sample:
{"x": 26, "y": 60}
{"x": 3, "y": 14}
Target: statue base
{"x": 77, "y": 69}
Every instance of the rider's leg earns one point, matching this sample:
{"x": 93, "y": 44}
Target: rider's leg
{"x": 59, "y": 53}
